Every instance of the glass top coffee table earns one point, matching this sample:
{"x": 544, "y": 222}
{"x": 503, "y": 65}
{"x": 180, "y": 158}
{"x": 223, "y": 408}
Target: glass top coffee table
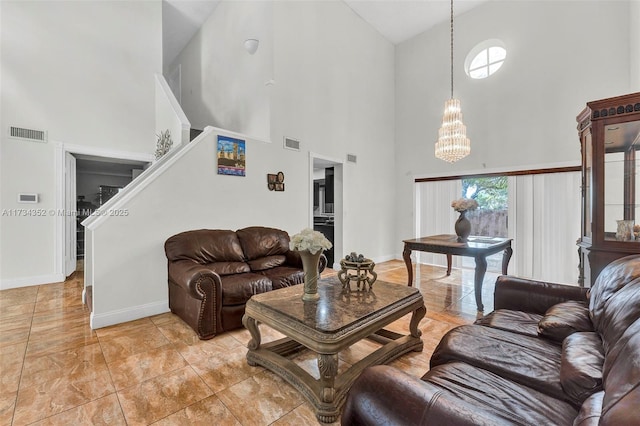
{"x": 338, "y": 320}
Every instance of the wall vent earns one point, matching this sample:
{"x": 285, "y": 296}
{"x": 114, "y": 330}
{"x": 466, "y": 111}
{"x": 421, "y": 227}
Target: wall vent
{"x": 291, "y": 144}
{"x": 351, "y": 158}
{"x": 28, "y": 134}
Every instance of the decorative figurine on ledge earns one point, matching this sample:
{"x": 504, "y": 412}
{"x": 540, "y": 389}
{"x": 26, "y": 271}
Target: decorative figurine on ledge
{"x": 361, "y": 266}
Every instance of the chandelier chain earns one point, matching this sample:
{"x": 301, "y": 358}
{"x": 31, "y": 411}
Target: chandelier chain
{"x": 451, "y": 49}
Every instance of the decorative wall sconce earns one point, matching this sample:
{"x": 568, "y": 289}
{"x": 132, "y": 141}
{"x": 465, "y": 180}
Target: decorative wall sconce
{"x": 251, "y": 45}
{"x": 275, "y": 182}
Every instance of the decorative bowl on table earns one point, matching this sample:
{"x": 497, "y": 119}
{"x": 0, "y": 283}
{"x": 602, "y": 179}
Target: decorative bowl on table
{"x": 359, "y": 269}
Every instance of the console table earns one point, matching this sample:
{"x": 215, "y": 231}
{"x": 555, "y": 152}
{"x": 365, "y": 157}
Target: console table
{"x": 477, "y": 247}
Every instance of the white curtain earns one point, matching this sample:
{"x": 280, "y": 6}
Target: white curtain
{"x": 544, "y": 222}
{"x": 435, "y": 215}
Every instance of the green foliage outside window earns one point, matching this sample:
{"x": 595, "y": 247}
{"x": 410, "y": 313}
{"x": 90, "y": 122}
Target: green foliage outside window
{"x": 490, "y": 192}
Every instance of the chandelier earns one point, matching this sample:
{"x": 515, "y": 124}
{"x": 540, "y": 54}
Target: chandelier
{"x": 453, "y": 143}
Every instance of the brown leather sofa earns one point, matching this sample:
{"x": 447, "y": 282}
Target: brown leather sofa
{"x": 214, "y": 272}
{"x": 549, "y": 354}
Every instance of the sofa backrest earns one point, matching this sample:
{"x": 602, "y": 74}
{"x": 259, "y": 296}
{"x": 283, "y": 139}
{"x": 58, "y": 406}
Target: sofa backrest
{"x": 614, "y": 301}
{"x": 258, "y": 242}
{"x": 205, "y": 246}
{"x": 621, "y": 380}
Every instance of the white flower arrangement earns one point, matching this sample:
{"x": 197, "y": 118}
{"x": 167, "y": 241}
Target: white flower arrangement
{"x": 311, "y": 240}
{"x": 464, "y": 204}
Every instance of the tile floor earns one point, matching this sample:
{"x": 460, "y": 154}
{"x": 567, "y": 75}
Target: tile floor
{"x": 55, "y": 370}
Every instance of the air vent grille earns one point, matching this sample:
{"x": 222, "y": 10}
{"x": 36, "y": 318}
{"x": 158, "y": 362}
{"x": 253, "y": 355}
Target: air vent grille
{"x": 28, "y": 134}
{"x": 351, "y": 158}
{"x": 291, "y": 144}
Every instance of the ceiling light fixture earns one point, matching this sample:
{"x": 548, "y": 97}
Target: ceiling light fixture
{"x": 452, "y": 144}
{"x": 251, "y": 45}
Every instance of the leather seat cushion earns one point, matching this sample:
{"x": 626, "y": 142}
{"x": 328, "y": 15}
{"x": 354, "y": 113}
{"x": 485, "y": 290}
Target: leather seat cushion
{"x": 284, "y": 276}
{"x": 268, "y": 262}
{"x": 565, "y": 318}
{"x": 582, "y": 363}
{"x": 514, "y": 403}
{"x": 590, "y": 411}
{"x": 237, "y": 289}
{"x": 515, "y": 321}
{"x": 530, "y": 361}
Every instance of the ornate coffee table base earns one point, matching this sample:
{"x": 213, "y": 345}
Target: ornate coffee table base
{"x": 328, "y": 394}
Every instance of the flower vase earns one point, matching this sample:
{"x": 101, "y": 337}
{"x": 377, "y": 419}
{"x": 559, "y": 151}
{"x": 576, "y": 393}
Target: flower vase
{"x": 310, "y": 263}
{"x": 463, "y": 227}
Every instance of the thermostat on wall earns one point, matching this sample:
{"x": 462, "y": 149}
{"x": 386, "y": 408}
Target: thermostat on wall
{"x": 28, "y": 198}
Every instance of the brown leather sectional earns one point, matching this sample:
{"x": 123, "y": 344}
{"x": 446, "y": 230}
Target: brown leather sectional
{"x": 549, "y": 354}
{"x": 214, "y": 272}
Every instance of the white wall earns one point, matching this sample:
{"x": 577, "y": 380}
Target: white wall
{"x": 560, "y": 55}
{"x": 222, "y": 84}
{"x": 634, "y": 46}
{"x": 83, "y": 71}
{"x": 169, "y": 114}
{"x": 334, "y": 97}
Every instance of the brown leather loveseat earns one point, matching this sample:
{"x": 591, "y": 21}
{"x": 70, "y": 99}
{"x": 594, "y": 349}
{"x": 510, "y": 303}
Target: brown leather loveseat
{"x": 549, "y": 354}
{"x": 214, "y": 272}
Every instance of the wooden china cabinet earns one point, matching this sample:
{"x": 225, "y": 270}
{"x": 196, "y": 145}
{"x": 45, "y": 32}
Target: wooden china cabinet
{"x": 609, "y": 131}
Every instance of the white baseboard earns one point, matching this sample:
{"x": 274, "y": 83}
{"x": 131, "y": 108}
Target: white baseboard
{"x": 29, "y": 281}
{"x": 128, "y": 314}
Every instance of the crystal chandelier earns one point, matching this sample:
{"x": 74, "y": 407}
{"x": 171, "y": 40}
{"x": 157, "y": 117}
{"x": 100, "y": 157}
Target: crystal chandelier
{"x": 453, "y": 143}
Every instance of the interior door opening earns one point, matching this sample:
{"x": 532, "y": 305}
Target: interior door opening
{"x": 326, "y": 206}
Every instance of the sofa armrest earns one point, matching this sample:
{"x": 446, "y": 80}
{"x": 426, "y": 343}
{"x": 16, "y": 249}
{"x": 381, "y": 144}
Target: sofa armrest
{"x": 293, "y": 259}
{"x": 189, "y": 275}
{"x": 520, "y": 294}
{"x": 384, "y": 395}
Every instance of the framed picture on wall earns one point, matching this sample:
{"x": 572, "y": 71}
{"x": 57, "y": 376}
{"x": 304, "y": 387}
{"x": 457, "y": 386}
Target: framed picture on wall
{"x": 231, "y": 156}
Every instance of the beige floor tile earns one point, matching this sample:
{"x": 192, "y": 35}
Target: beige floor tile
{"x": 124, "y": 328}
{"x": 18, "y": 296}
{"x": 209, "y": 411}
{"x": 159, "y": 397}
{"x": 270, "y": 397}
{"x": 78, "y": 364}
{"x": 225, "y": 369}
{"x": 146, "y": 365}
{"x": 7, "y": 407}
{"x": 304, "y": 414}
{"x": 121, "y": 345}
{"x": 49, "y": 343}
{"x": 60, "y": 394}
{"x": 103, "y": 411}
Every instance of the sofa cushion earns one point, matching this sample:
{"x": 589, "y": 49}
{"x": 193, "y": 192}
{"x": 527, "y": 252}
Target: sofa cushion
{"x": 501, "y": 397}
{"x": 590, "y": 411}
{"x": 565, "y": 318}
{"x": 228, "y": 268}
{"x": 268, "y": 262}
{"x": 238, "y": 288}
{"x": 205, "y": 246}
{"x": 581, "y": 368}
{"x": 515, "y": 321}
{"x": 530, "y": 361}
{"x": 284, "y": 276}
{"x": 615, "y": 299}
{"x": 258, "y": 241}
{"x": 621, "y": 380}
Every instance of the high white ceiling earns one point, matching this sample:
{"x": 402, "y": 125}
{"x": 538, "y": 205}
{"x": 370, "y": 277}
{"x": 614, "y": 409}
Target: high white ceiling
{"x": 396, "y": 20}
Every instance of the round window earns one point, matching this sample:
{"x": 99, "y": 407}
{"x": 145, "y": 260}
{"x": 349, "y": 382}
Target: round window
{"x": 485, "y": 59}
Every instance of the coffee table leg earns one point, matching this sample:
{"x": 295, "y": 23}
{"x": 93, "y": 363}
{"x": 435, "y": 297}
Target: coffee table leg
{"x": 406, "y": 255}
{"x": 252, "y": 325}
{"x": 448, "y": 264}
{"x": 416, "y": 316}
{"x": 328, "y": 368}
{"x": 481, "y": 268}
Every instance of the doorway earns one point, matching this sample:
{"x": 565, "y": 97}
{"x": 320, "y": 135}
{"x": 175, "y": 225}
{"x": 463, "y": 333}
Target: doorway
{"x": 326, "y": 209}
{"x": 100, "y": 164}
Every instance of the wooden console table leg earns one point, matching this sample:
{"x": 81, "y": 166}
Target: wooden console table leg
{"x": 406, "y": 255}
{"x": 448, "y": 264}
{"x": 481, "y": 268}
{"x": 506, "y": 257}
